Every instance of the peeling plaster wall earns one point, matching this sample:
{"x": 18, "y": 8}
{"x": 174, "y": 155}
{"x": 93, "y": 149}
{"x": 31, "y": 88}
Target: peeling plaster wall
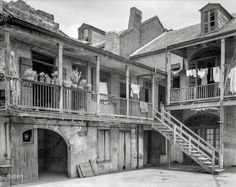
{"x": 83, "y": 146}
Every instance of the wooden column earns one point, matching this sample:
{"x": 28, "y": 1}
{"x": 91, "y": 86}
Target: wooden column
{"x": 222, "y": 69}
{"x": 98, "y": 83}
{"x": 168, "y": 68}
{"x": 89, "y": 73}
{"x": 153, "y": 93}
{"x": 7, "y": 69}
{"x": 60, "y": 74}
{"x": 127, "y": 89}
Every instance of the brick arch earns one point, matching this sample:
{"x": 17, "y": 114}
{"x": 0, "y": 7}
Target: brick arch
{"x": 204, "y": 118}
{"x": 63, "y": 136}
{"x": 202, "y": 51}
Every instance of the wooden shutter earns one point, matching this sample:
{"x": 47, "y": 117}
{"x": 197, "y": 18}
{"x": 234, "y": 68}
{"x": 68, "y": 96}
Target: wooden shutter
{"x": 64, "y": 73}
{"x": 25, "y": 63}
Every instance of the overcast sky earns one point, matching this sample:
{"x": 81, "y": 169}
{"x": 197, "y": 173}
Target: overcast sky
{"x": 114, "y": 14}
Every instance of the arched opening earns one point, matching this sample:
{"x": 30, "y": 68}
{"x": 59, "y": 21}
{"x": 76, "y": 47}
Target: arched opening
{"x": 204, "y": 73}
{"x": 207, "y": 126}
{"x": 52, "y": 154}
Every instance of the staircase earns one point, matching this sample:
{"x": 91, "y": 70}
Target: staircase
{"x": 187, "y": 141}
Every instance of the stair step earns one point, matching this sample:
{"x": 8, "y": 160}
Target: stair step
{"x": 197, "y": 155}
{"x": 203, "y": 158}
{"x": 207, "y": 162}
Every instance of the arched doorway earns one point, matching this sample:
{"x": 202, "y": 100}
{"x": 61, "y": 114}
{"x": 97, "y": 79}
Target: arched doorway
{"x": 52, "y": 154}
{"x": 207, "y": 126}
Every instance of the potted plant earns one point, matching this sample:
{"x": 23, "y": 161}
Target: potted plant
{"x": 47, "y": 78}
{"x": 41, "y": 77}
{"x": 55, "y": 78}
{"x": 82, "y": 84}
{"x": 29, "y": 74}
{"x": 75, "y": 77}
{"x": 66, "y": 84}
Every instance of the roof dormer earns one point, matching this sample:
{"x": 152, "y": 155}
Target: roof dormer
{"x": 213, "y": 17}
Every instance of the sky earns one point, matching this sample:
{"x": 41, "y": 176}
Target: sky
{"x": 113, "y": 15}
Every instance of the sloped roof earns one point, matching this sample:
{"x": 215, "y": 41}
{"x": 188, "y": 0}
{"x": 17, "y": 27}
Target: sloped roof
{"x": 179, "y": 36}
{"x": 22, "y": 11}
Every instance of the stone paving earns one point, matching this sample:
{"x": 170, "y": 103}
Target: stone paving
{"x": 151, "y": 177}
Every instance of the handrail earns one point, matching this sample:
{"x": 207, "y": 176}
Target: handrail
{"x": 210, "y": 149}
{"x": 193, "y": 133}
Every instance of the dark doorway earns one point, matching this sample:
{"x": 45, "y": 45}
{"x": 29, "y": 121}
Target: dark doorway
{"x": 52, "y": 153}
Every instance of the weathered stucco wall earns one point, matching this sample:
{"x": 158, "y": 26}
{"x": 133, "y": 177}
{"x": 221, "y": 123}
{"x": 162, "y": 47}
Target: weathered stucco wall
{"x": 82, "y": 143}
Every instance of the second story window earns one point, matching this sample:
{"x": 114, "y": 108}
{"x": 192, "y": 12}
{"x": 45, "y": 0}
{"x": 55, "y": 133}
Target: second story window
{"x": 209, "y": 21}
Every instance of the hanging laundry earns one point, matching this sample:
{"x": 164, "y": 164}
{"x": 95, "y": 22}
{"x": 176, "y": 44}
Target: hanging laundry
{"x": 232, "y": 76}
{"x": 103, "y": 90}
{"x": 201, "y": 73}
{"x": 216, "y": 74}
{"x": 143, "y": 107}
{"x": 204, "y": 78}
{"x": 135, "y": 89}
{"x": 191, "y": 72}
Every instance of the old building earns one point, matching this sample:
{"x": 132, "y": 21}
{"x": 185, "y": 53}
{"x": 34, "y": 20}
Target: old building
{"x": 200, "y": 61}
{"x": 65, "y": 102}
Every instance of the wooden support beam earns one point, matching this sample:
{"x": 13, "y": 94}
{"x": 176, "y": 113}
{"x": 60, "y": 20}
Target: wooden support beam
{"x": 222, "y": 72}
{"x": 98, "y": 83}
{"x": 127, "y": 89}
{"x": 60, "y": 74}
{"x": 168, "y": 68}
{"x": 222, "y": 69}
{"x": 153, "y": 93}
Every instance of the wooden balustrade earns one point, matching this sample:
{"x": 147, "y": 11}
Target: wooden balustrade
{"x": 27, "y": 94}
{"x": 200, "y": 92}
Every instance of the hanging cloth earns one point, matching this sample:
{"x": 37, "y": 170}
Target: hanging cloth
{"x": 135, "y": 89}
{"x": 143, "y": 107}
{"x": 191, "y": 72}
{"x": 103, "y": 90}
{"x": 216, "y": 74}
{"x": 232, "y": 77}
{"x": 201, "y": 73}
{"x": 204, "y": 78}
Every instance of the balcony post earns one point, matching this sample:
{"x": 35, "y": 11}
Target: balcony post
{"x": 222, "y": 69}
{"x": 127, "y": 90}
{"x": 98, "y": 83}
{"x": 60, "y": 74}
{"x": 7, "y": 71}
{"x": 168, "y": 68}
{"x": 153, "y": 93}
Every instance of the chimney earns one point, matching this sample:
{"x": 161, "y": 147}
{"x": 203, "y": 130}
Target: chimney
{"x": 135, "y": 18}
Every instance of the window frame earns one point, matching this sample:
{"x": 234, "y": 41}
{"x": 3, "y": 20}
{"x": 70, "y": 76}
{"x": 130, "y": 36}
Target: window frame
{"x": 206, "y": 21}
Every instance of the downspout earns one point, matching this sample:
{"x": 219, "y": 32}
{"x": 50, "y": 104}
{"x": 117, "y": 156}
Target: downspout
{"x": 137, "y": 147}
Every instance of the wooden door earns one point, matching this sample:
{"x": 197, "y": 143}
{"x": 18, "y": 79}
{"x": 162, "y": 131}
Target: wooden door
{"x": 24, "y": 156}
{"x": 124, "y": 150}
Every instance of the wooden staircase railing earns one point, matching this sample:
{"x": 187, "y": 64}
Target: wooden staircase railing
{"x": 185, "y": 139}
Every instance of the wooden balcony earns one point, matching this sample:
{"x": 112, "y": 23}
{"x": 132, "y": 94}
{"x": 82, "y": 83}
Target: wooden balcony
{"x": 196, "y": 93}
{"x": 26, "y": 95}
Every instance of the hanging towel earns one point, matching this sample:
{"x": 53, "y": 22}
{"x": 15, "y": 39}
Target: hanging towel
{"x": 232, "y": 77}
{"x": 201, "y": 73}
{"x": 135, "y": 89}
{"x": 216, "y": 74}
{"x": 103, "y": 90}
{"x": 204, "y": 78}
{"x": 143, "y": 107}
{"x": 191, "y": 72}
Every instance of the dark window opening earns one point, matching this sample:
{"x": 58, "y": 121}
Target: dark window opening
{"x": 209, "y": 21}
{"x": 27, "y": 136}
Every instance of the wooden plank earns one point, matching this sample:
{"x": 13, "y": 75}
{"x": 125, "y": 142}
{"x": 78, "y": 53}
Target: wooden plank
{"x": 86, "y": 169}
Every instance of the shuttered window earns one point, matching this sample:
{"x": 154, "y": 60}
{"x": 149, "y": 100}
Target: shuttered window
{"x": 103, "y": 145}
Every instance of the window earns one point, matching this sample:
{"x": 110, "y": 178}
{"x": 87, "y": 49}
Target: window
{"x": 209, "y": 21}
{"x": 27, "y": 136}
{"x": 103, "y": 145}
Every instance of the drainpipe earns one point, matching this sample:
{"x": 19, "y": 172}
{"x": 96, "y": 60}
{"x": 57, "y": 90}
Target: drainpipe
{"x": 137, "y": 147}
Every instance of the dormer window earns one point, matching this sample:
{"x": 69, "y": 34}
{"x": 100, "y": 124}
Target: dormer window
{"x": 209, "y": 21}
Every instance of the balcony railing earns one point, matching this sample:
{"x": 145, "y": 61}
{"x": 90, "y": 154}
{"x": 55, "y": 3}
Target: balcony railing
{"x": 201, "y": 92}
{"x": 33, "y": 95}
